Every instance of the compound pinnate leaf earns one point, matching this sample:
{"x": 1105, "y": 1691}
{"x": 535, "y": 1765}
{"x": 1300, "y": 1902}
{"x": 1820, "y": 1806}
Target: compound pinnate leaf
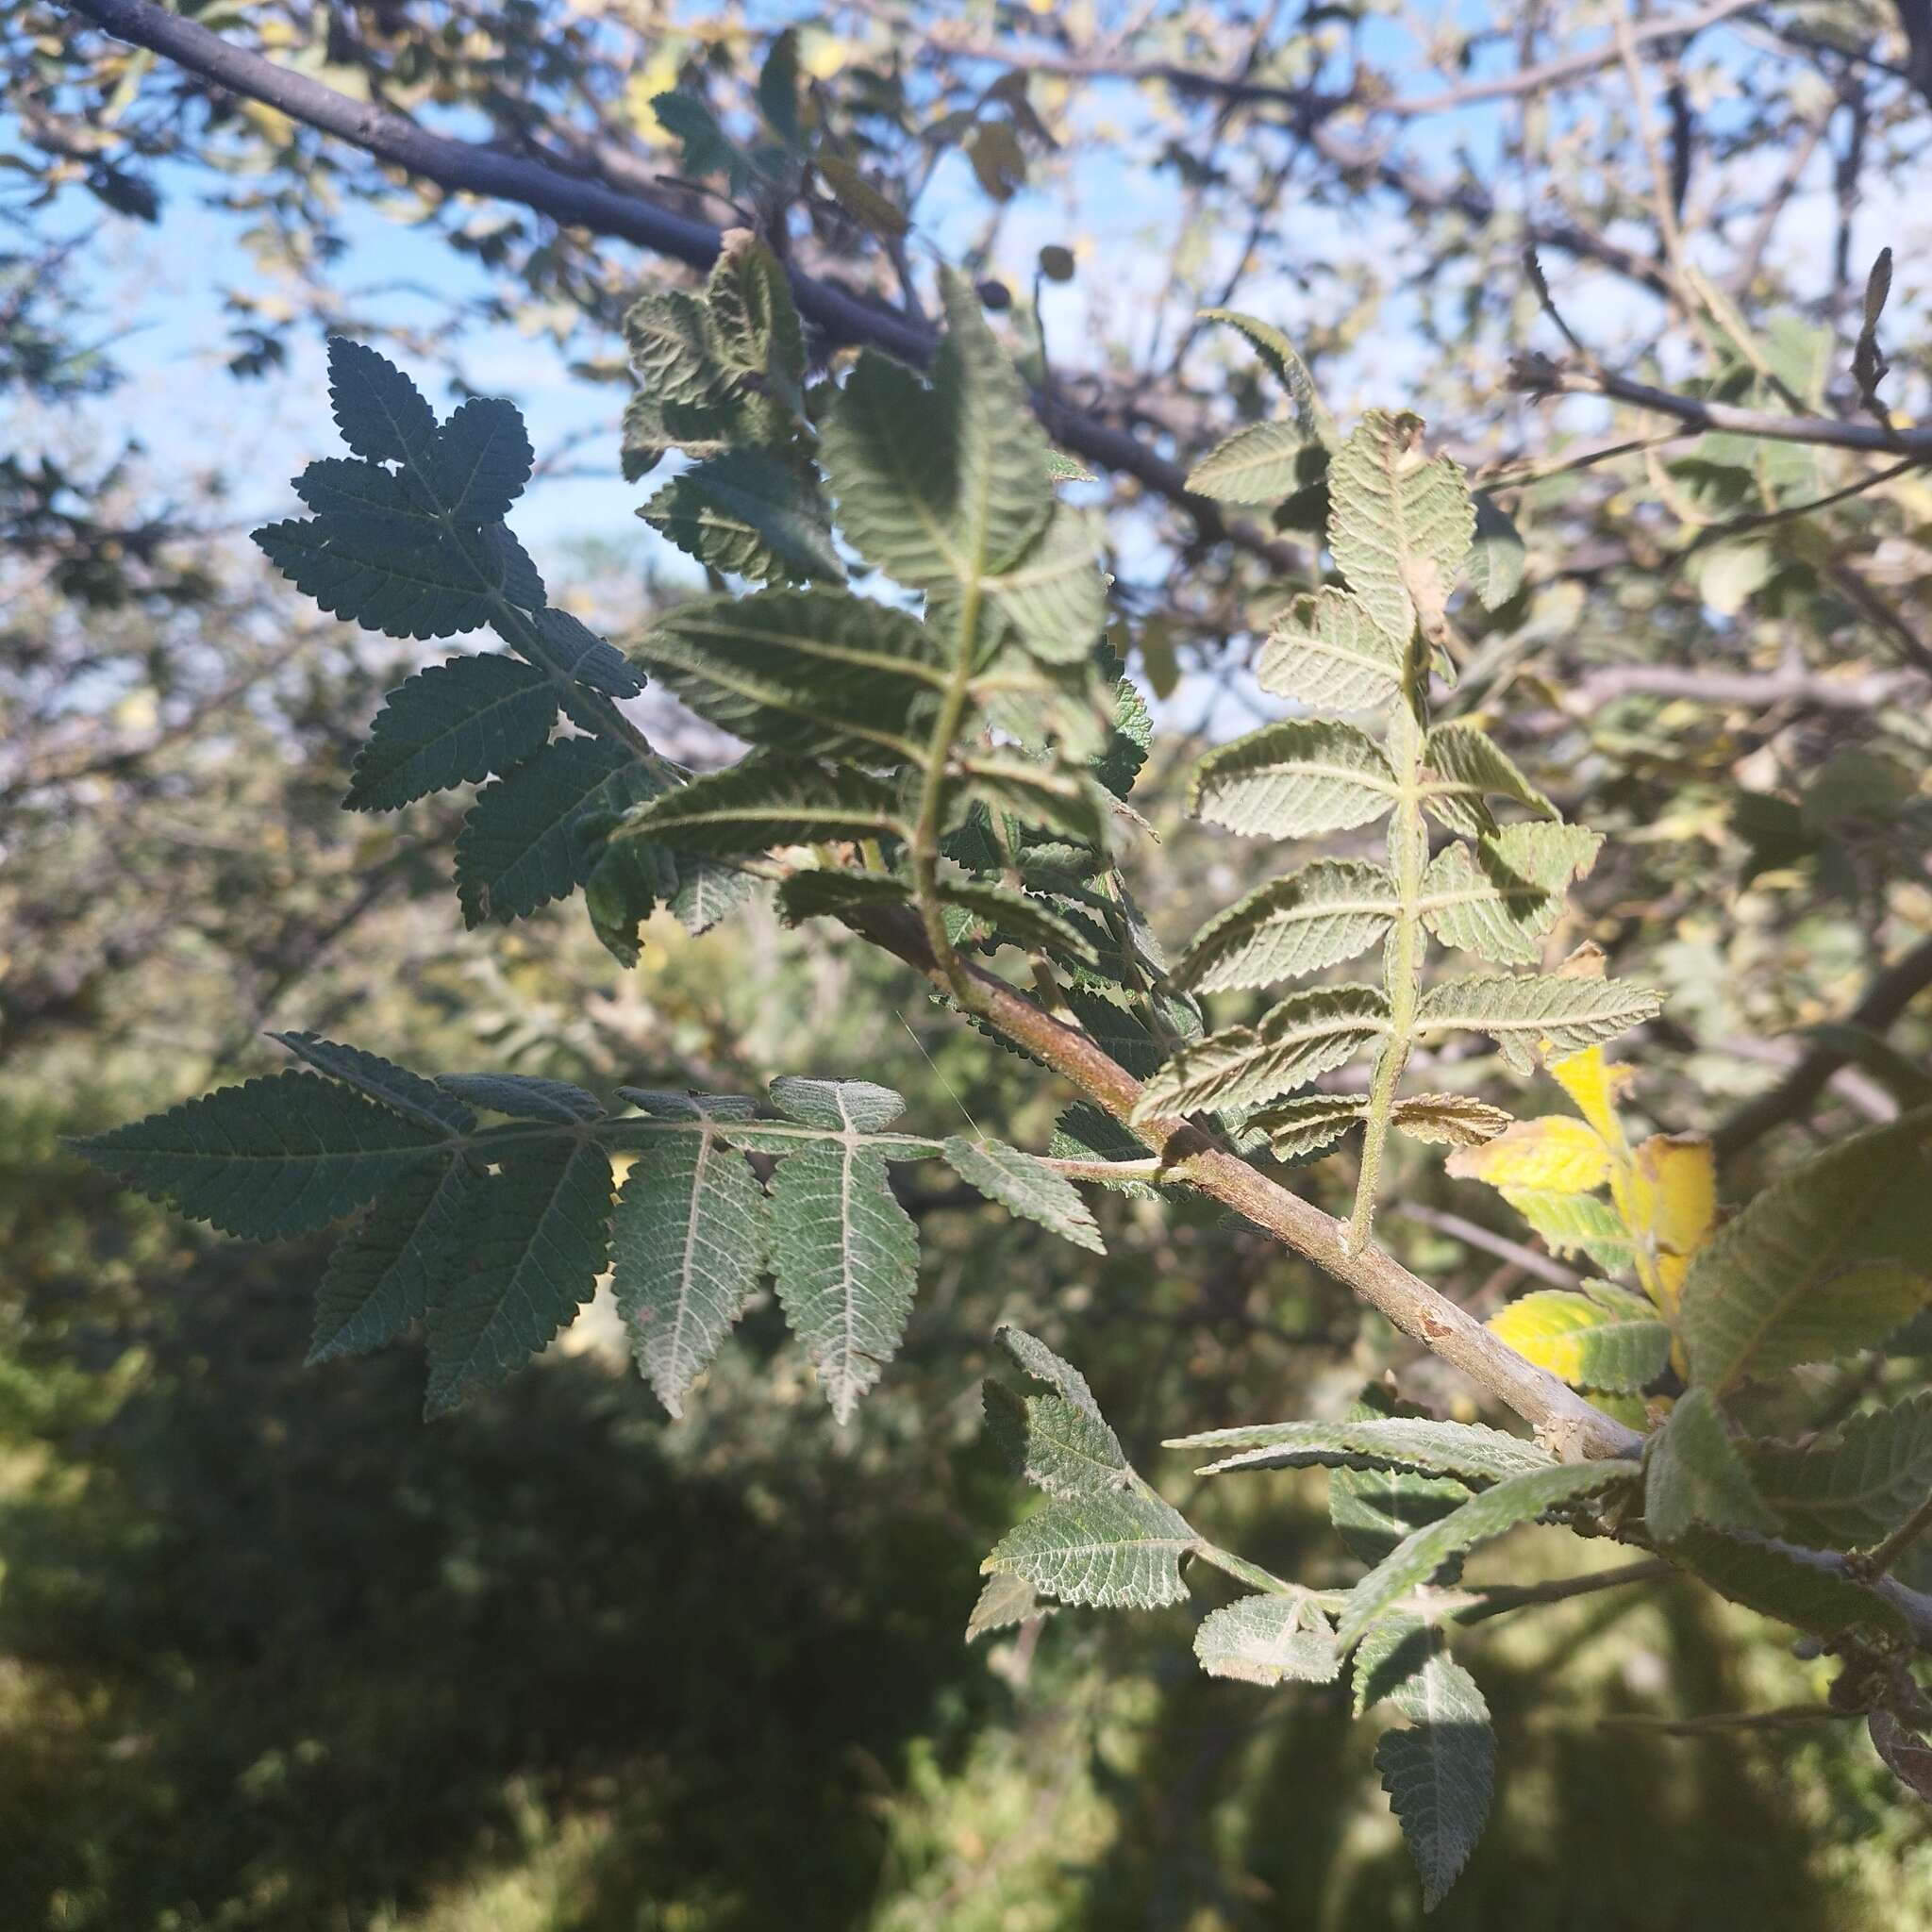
{"x": 1530, "y": 1015}
{"x": 1468, "y": 1450}
{"x": 749, "y": 513}
{"x": 1243, "y": 1066}
{"x": 1589, "y": 1344}
{"x": 1831, "y": 1258}
{"x": 805, "y": 673}
{"x": 1502, "y": 899}
{"x": 479, "y": 460}
{"x": 384, "y": 1273}
{"x": 766, "y": 802}
{"x": 944, "y": 484}
{"x": 1440, "y": 1772}
{"x": 1465, "y": 769}
{"x": 273, "y": 1158}
{"x": 381, "y": 414}
{"x": 1265, "y": 1640}
{"x": 1519, "y": 1498}
{"x": 1852, "y": 1488}
{"x": 687, "y": 1242}
{"x": 1027, "y": 1186}
{"x": 451, "y": 724}
{"x": 1693, "y": 1473}
{"x": 1328, "y": 651}
{"x": 417, "y": 1099}
{"x": 1116, "y": 1549}
{"x": 1399, "y": 524}
{"x": 1325, "y": 913}
{"x": 538, "y": 1236}
{"x": 518, "y": 848}
{"x": 1294, "y": 780}
{"x": 525, "y": 1096}
{"x": 1262, "y": 463}
{"x": 844, "y": 1254}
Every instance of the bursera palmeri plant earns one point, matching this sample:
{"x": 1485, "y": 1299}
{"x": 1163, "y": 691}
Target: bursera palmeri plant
{"x": 944, "y": 770}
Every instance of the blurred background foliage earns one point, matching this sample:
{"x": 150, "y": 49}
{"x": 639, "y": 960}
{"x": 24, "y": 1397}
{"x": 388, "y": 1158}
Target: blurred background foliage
{"x": 273, "y": 1654}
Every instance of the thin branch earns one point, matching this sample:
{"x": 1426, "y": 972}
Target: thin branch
{"x": 1726, "y": 1721}
{"x": 1471, "y": 1234}
{"x": 1504, "y": 1597}
{"x": 1542, "y": 376}
{"x": 1876, "y": 1562}
{"x": 1883, "y": 1000}
{"x": 1755, "y": 689}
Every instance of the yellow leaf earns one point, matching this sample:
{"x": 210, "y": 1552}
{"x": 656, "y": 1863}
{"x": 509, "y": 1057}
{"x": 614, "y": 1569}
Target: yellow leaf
{"x": 1548, "y": 1327}
{"x": 1669, "y": 1203}
{"x": 1557, "y": 1155}
{"x": 1592, "y": 1084}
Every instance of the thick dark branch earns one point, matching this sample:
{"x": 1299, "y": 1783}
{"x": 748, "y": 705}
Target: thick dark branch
{"x": 578, "y": 201}
{"x": 1885, "y": 999}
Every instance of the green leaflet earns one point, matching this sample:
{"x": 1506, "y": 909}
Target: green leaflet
{"x": 579, "y": 652}
{"x": 525, "y": 1097}
{"x": 1281, "y": 356}
{"x": 1440, "y": 1773}
{"x": 1067, "y": 1451}
{"x": 1496, "y": 554}
{"x": 1851, "y": 1489}
{"x": 1028, "y": 1187}
{"x": 1602, "y": 1339}
{"x": 1399, "y": 525}
{"x": 479, "y": 461}
{"x": 1265, "y": 1640}
{"x": 1515, "y": 1499}
{"x": 360, "y": 571}
{"x": 766, "y": 802}
{"x": 674, "y": 350}
{"x": 1064, "y": 803}
{"x": 620, "y": 892}
{"x": 1243, "y": 1066}
{"x": 1004, "y": 1601}
{"x": 1832, "y": 1256}
{"x": 1032, "y": 1355}
{"x": 1574, "y": 1222}
{"x": 451, "y": 724}
{"x": 749, "y": 513}
{"x": 1118, "y": 1548}
{"x": 387, "y": 1269}
{"x": 519, "y": 848}
{"x": 1319, "y": 916}
{"x": 1778, "y": 1580}
{"x": 1375, "y": 1509}
{"x": 1260, "y": 464}
{"x": 1297, "y": 1129}
{"x": 1693, "y": 1473}
{"x": 1294, "y": 780}
{"x": 277, "y": 1156}
{"x": 754, "y": 321}
{"x": 408, "y": 1094}
{"x": 1393, "y": 1653}
{"x": 1502, "y": 899}
{"x": 1465, "y": 771}
{"x": 809, "y": 673}
{"x": 1468, "y": 1450}
{"x": 1529, "y": 1015}
{"x": 1328, "y": 651}
{"x": 686, "y": 1241}
{"x": 1053, "y": 595}
{"x": 1083, "y": 1132}
{"x": 708, "y": 892}
{"x": 940, "y": 485}
{"x": 845, "y": 1254}
{"x": 1452, "y": 1120}
{"x": 378, "y": 409}
{"x": 538, "y": 1237}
